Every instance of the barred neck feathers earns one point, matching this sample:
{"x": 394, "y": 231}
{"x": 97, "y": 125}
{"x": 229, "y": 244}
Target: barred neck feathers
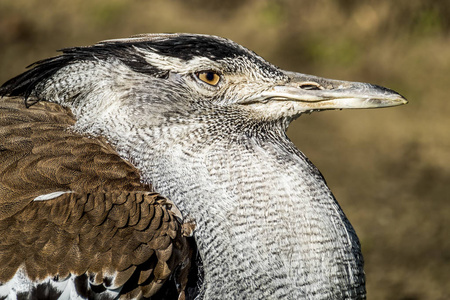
{"x": 261, "y": 208}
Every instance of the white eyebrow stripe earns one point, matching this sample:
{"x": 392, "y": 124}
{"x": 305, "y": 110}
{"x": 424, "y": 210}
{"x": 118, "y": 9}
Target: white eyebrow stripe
{"x": 181, "y": 66}
{"x": 51, "y": 196}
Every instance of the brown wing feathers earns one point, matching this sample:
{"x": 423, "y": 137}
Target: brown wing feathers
{"x": 126, "y": 234}
{"x": 108, "y": 225}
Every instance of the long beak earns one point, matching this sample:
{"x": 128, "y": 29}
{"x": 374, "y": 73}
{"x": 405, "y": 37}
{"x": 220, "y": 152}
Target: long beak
{"x": 312, "y": 93}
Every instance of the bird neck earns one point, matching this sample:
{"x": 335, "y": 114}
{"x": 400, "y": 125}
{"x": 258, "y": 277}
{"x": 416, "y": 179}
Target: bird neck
{"x": 267, "y": 224}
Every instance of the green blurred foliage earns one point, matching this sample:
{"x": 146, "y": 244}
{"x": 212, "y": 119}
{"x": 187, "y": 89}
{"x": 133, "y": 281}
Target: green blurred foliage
{"x": 389, "y": 168}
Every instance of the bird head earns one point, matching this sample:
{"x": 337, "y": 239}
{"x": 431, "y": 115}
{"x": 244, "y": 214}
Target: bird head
{"x": 169, "y": 74}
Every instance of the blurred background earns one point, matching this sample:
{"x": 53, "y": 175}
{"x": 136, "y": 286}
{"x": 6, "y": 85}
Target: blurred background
{"x": 388, "y": 168}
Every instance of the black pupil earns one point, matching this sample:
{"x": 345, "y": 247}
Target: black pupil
{"x": 210, "y": 76}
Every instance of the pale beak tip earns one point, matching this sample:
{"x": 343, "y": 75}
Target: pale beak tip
{"x": 403, "y": 100}
{"x": 399, "y": 100}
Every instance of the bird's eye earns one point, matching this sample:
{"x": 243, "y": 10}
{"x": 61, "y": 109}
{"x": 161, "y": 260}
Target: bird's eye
{"x": 210, "y": 77}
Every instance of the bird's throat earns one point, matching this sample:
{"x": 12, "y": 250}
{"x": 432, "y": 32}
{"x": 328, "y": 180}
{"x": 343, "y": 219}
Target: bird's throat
{"x": 265, "y": 218}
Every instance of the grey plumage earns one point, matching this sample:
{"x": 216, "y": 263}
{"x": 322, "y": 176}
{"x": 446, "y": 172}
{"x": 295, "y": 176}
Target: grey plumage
{"x": 267, "y": 225}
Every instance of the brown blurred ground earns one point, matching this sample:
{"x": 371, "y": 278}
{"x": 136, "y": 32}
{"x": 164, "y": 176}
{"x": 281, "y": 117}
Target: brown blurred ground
{"x": 389, "y": 168}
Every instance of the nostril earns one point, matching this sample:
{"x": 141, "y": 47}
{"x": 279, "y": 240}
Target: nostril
{"x": 310, "y": 86}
